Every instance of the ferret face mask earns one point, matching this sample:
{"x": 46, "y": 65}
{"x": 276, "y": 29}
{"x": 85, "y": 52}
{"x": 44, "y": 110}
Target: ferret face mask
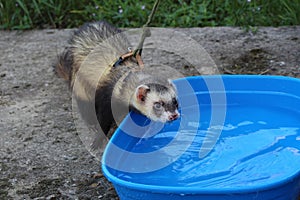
{"x": 157, "y": 102}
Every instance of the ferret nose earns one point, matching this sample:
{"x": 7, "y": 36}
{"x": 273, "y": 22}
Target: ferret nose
{"x": 173, "y": 117}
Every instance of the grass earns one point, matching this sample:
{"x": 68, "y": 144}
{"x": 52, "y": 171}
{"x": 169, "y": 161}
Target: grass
{"x": 36, "y": 14}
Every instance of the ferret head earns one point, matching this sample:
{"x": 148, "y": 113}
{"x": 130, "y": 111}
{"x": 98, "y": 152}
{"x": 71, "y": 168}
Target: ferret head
{"x": 157, "y": 102}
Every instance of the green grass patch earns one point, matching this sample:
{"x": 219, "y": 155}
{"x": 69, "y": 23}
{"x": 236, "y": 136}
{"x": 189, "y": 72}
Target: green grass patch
{"x": 35, "y": 14}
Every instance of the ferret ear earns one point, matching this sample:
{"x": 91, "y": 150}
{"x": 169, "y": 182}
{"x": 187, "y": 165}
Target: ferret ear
{"x": 141, "y": 92}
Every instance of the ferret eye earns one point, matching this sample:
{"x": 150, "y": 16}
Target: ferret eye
{"x": 158, "y": 105}
{"x": 174, "y": 101}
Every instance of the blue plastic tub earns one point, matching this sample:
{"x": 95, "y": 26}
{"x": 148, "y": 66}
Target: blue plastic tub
{"x": 238, "y": 137}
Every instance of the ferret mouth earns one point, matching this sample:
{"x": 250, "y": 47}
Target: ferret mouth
{"x": 166, "y": 119}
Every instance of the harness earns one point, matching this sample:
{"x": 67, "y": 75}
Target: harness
{"x": 127, "y": 55}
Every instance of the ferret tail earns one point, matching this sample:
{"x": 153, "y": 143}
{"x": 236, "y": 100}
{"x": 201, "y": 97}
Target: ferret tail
{"x": 84, "y": 40}
{"x": 63, "y": 66}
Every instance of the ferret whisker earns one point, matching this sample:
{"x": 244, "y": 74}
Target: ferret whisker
{"x": 146, "y": 121}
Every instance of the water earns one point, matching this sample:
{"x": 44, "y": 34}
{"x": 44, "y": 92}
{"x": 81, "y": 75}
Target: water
{"x": 258, "y": 146}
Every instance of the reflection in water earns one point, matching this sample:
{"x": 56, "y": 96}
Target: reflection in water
{"x": 255, "y": 148}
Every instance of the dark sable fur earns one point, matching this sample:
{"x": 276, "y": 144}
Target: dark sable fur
{"x": 68, "y": 64}
{"x": 89, "y": 56}
{"x": 63, "y": 68}
{"x": 103, "y": 107}
{"x": 82, "y": 43}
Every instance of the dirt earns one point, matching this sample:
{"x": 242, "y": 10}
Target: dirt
{"x": 41, "y": 154}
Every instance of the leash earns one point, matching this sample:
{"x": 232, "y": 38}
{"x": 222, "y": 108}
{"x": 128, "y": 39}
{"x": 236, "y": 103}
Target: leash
{"x": 137, "y": 53}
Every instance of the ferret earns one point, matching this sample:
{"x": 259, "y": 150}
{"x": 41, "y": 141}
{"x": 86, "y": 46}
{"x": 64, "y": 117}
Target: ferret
{"x": 89, "y": 65}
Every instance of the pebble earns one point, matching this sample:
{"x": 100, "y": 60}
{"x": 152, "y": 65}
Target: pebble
{"x": 51, "y": 197}
{"x": 70, "y": 157}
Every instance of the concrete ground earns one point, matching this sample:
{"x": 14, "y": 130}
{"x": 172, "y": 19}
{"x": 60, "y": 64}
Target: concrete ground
{"x": 41, "y": 155}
